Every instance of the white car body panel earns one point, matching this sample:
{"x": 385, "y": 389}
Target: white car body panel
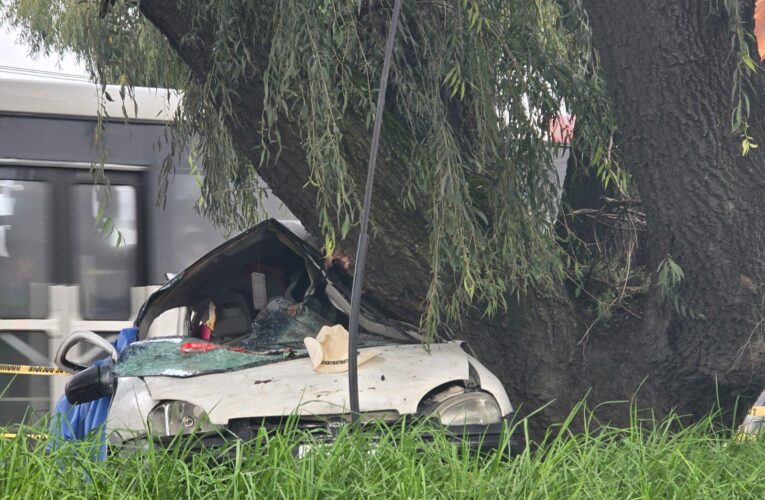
{"x": 396, "y": 379}
{"x": 129, "y": 410}
{"x": 491, "y": 384}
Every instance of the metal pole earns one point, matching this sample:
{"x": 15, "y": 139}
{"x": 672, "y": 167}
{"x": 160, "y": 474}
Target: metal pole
{"x": 361, "y": 250}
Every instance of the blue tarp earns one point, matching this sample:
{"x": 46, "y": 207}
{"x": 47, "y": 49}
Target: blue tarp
{"x": 75, "y": 422}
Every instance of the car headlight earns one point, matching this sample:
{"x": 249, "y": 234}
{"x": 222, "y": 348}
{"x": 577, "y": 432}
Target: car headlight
{"x": 469, "y": 408}
{"x": 178, "y": 417}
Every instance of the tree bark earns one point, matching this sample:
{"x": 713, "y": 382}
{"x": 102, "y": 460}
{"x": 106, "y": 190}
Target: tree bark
{"x": 668, "y": 68}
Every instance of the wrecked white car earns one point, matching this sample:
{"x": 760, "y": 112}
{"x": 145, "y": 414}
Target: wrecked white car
{"x": 240, "y": 360}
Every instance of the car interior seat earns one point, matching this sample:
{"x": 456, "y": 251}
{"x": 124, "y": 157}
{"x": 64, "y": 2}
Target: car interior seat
{"x": 233, "y": 316}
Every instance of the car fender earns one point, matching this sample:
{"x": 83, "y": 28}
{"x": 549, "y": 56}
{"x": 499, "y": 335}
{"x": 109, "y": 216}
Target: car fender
{"x": 491, "y": 384}
{"x": 129, "y": 410}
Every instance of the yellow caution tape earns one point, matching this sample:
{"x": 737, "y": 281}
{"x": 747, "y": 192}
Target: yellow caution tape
{"x": 757, "y": 411}
{"x": 10, "y": 435}
{"x": 31, "y": 370}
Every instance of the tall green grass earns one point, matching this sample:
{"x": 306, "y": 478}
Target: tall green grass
{"x": 649, "y": 459}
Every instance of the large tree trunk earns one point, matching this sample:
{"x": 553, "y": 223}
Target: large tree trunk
{"x": 668, "y": 69}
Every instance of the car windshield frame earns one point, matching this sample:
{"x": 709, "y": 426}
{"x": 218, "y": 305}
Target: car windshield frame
{"x": 192, "y": 286}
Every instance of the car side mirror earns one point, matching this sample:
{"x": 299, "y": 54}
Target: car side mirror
{"x": 90, "y": 384}
{"x": 78, "y": 338}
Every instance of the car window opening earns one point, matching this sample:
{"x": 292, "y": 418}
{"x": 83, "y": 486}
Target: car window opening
{"x": 263, "y": 295}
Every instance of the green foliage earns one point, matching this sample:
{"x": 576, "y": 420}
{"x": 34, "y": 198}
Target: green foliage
{"x": 648, "y": 459}
{"x": 670, "y": 277}
{"x": 475, "y": 85}
{"x": 745, "y": 69}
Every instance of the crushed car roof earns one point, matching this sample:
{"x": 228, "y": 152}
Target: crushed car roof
{"x": 176, "y": 291}
{"x": 195, "y": 282}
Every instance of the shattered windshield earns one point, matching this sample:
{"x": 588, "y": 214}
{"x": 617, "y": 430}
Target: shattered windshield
{"x": 179, "y": 357}
{"x": 276, "y": 334}
{"x": 282, "y": 322}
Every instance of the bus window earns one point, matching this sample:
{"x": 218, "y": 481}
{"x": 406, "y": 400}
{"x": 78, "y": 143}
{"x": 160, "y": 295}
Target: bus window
{"x": 25, "y": 248}
{"x": 178, "y": 233}
{"x": 105, "y": 262}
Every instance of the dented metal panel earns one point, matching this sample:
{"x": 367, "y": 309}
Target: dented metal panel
{"x": 133, "y": 402}
{"x": 491, "y": 384}
{"x": 397, "y": 379}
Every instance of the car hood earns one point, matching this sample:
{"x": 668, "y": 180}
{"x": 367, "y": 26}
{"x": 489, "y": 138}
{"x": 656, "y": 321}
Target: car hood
{"x": 396, "y": 379}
